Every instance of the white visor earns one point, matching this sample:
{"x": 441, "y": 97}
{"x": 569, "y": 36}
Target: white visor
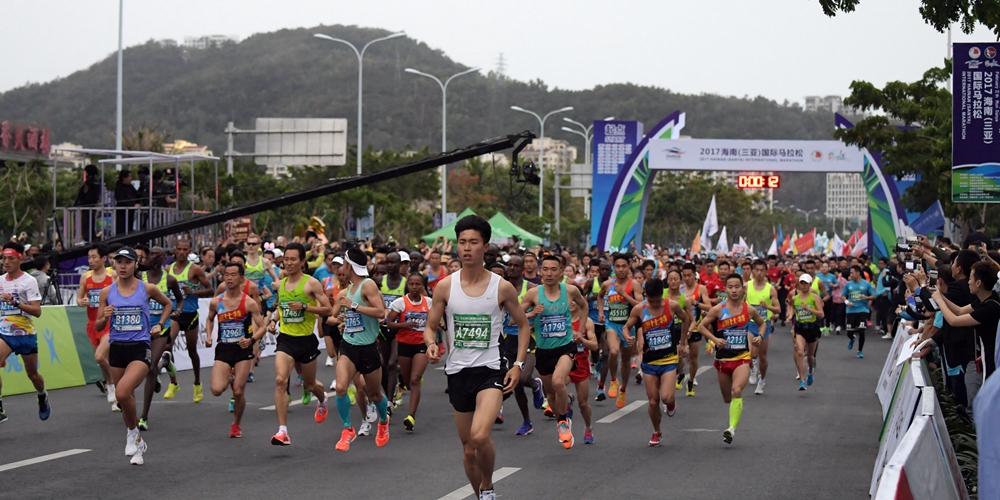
{"x": 358, "y": 268}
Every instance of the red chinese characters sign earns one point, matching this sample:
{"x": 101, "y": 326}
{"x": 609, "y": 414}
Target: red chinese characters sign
{"x": 26, "y": 138}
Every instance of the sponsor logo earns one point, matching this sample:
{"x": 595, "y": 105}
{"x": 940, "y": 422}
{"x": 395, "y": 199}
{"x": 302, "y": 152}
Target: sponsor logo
{"x": 991, "y": 64}
{"x": 838, "y": 156}
{"x": 816, "y": 156}
{"x": 974, "y": 52}
{"x": 991, "y": 52}
{"x": 673, "y": 153}
{"x": 974, "y": 64}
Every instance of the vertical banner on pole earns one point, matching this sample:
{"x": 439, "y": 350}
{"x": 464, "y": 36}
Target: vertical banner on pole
{"x": 613, "y": 143}
{"x": 975, "y": 173}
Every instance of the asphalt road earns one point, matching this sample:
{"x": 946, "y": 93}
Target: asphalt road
{"x": 819, "y": 444}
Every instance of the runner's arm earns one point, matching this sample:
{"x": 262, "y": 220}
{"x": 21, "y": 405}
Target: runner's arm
{"x": 590, "y": 339}
{"x": 528, "y": 304}
{"x": 371, "y": 294}
{"x": 103, "y": 314}
{"x": 818, "y": 312}
{"x": 776, "y": 309}
{"x": 636, "y": 297}
{"x": 213, "y": 308}
{"x": 582, "y": 308}
{"x": 175, "y": 287}
{"x": 704, "y": 303}
{"x": 270, "y": 269}
{"x": 680, "y": 312}
{"x": 259, "y": 329}
{"x": 600, "y": 301}
{"x": 434, "y": 317}
{"x": 206, "y": 288}
{"x": 81, "y": 294}
{"x": 759, "y": 320}
{"x": 314, "y": 290}
{"x": 508, "y": 298}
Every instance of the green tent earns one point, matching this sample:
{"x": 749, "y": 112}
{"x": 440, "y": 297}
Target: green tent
{"x": 447, "y": 231}
{"x": 502, "y": 225}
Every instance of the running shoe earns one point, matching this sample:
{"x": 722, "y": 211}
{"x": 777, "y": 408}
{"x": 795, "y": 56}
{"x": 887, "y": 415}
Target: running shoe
{"x": 111, "y": 394}
{"x": 44, "y": 410}
{"x": 298, "y": 381}
{"x": 322, "y": 409}
{"x": 235, "y": 431}
{"x": 382, "y": 434}
{"x": 633, "y": 363}
{"x": 613, "y": 389}
{"x": 588, "y": 436}
{"x": 102, "y": 386}
{"x": 709, "y": 347}
{"x": 3, "y": 417}
{"x": 887, "y": 336}
{"x": 601, "y": 396}
{"x": 850, "y": 345}
{"x": 727, "y": 435}
{"x": 197, "y": 393}
{"x": 860, "y": 355}
{"x": 140, "y": 450}
{"x": 398, "y": 399}
{"x": 329, "y": 361}
{"x": 487, "y": 495}
{"x": 526, "y": 428}
{"x": 352, "y": 392}
{"x": 809, "y": 379}
{"x": 655, "y": 440}
{"x": 753, "y": 372}
{"x": 802, "y": 385}
{"x": 371, "y": 414}
{"x": 838, "y": 330}
{"x": 143, "y": 425}
{"x": 333, "y": 385}
{"x": 680, "y": 382}
{"x": 250, "y": 378}
{"x": 365, "y": 429}
{"x": 409, "y": 422}
{"x": 232, "y": 405}
{"x": 281, "y": 439}
{"x": 670, "y": 412}
{"x": 131, "y": 443}
{"x": 690, "y": 388}
{"x": 307, "y": 396}
{"x": 620, "y": 402}
{"x": 115, "y": 408}
{"x": 694, "y": 381}
{"x": 499, "y": 419}
{"x": 157, "y": 387}
{"x": 538, "y": 394}
{"x": 548, "y": 412}
{"x": 172, "y": 389}
{"x": 347, "y": 436}
{"x": 760, "y": 387}
{"x": 565, "y": 433}
{"x": 638, "y": 378}
{"x": 171, "y": 368}
{"x": 569, "y": 413}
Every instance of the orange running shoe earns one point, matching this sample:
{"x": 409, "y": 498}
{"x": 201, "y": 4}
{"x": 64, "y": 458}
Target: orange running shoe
{"x": 613, "y": 389}
{"x": 322, "y": 410}
{"x": 382, "y": 436}
{"x": 620, "y": 402}
{"x": 236, "y": 432}
{"x": 346, "y": 437}
{"x": 281, "y": 439}
{"x": 565, "y": 433}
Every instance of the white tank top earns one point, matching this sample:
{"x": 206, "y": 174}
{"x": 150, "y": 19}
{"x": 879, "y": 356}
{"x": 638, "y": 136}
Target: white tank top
{"x": 474, "y": 327}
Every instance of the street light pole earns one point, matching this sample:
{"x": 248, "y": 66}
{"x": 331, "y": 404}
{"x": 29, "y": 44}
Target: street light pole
{"x": 541, "y": 156}
{"x": 587, "y": 135}
{"x": 361, "y": 55}
{"x": 806, "y": 213}
{"x": 118, "y": 115}
{"x": 444, "y": 129}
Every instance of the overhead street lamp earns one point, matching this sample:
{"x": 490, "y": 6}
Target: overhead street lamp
{"x": 806, "y": 213}
{"x": 444, "y": 129}
{"x": 541, "y": 154}
{"x": 361, "y": 55}
{"x": 586, "y": 134}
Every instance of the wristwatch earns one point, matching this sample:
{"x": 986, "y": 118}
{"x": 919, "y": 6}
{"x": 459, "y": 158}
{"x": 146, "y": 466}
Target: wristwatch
{"x": 354, "y": 307}
{"x": 519, "y": 364}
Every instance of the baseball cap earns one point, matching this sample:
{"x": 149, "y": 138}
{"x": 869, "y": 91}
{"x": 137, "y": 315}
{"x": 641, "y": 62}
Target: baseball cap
{"x": 128, "y": 253}
{"x": 805, "y": 278}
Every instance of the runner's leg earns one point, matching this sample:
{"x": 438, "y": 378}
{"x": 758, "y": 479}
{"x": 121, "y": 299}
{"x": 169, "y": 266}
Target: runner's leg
{"x": 157, "y": 346}
{"x": 239, "y": 388}
{"x": 418, "y": 364}
{"x": 652, "y": 383}
{"x": 126, "y": 380}
{"x": 191, "y": 337}
{"x": 221, "y": 373}
{"x": 283, "y": 364}
{"x": 474, "y": 431}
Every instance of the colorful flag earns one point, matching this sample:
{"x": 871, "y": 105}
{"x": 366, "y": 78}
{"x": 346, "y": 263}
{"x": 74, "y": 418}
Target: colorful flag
{"x": 806, "y": 242}
{"x": 860, "y": 246}
{"x": 696, "y": 244}
{"x": 773, "y": 249}
{"x": 723, "y": 247}
{"x": 780, "y": 236}
{"x": 795, "y": 239}
{"x": 711, "y": 225}
{"x": 786, "y": 244}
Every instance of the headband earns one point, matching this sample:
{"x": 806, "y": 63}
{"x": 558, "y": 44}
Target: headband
{"x": 11, "y": 252}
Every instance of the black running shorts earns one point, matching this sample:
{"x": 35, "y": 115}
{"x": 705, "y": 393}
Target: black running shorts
{"x": 231, "y": 354}
{"x": 465, "y": 386}
{"x": 121, "y": 354}
{"x": 366, "y": 358}
{"x": 302, "y": 349}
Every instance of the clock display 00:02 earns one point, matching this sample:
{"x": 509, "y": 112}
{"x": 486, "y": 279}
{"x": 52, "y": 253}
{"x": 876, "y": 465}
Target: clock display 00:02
{"x": 758, "y": 181}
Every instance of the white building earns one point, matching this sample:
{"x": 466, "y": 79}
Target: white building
{"x": 67, "y": 158}
{"x": 203, "y": 42}
{"x": 831, "y": 103}
{"x": 846, "y": 197}
{"x": 557, "y": 152}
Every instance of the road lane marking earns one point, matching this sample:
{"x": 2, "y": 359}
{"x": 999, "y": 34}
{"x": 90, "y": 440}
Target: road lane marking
{"x": 466, "y": 491}
{"x": 631, "y": 407}
{"x": 38, "y": 460}
{"x": 294, "y": 402}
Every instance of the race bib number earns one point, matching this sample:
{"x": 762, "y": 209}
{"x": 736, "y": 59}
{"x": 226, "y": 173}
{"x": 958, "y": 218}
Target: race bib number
{"x": 420, "y": 318}
{"x": 854, "y": 296}
{"x": 154, "y": 307}
{"x": 9, "y": 309}
{"x": 353, "y": 323}
{"x": 721, "y": 295}
{"x": 290, "y": 316}
{"x": 658, "y": 339}
{"x": 553, "y": 325}
{"x": 230, "y": 332}
{"x": 619, "y": 312}
{"x": 736, "y": 340}
{"x": 93, "y": 298}
{"x": 803, "y": 315}
{"x": 762, "y": 311}
{"x": 127, "y": 319}
{"x": 472, "y": 331}
{"x": 389, "y": 299}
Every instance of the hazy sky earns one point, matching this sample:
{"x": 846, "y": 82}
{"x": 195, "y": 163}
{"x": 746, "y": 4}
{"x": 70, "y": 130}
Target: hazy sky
{"x": 781, "y": 49}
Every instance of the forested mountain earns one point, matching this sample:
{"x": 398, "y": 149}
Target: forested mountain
{"x": 192, "y": 94}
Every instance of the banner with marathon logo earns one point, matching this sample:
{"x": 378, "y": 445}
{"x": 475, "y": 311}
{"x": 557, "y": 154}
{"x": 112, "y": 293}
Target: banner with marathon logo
{"x": 975, "y": 173}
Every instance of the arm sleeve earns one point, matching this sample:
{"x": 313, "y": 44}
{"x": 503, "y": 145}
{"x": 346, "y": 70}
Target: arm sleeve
{"x": 397, "y": 305}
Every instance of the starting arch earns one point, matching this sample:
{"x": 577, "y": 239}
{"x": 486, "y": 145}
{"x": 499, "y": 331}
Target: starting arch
{"x": 624, "y": 208}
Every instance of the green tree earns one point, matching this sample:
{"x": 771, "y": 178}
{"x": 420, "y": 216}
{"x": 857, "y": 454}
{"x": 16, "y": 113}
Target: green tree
{"x": 940, "y": 14}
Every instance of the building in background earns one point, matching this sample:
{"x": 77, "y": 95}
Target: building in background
{"x": 831, "y": 103}
{"x": 182, "y": 147}
{"x": 846, "y": 197}
{"x": 203, "y": 42}
{"x": 558, "y": 153}
{"x": 68, "y": 159}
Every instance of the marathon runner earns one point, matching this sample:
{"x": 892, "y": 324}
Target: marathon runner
{"x": 435, "y": 271}
{"x": 159, "y": 344}
{"x": 697, "y": 295}
{"x": 509, "y": 344}
{"x": 580, "y": 376}
{"x": 858, "y": 294}
{"x": 408, "y": 318}
{"x": 732, "y": 324}
{"x": 552, "y": 321}
{"x": 191, "y": 277}
{"x": 234, "y": 355}
{"x": 531, "y": 268}
{"x": 300, "y": 301}
{"x": 88, "y": 295}
{"x": 594, "y": 308}
{"x": 807, "y": 305}
{"x": 661, "y": 342}
{"x": 125, "y": 304}
{"x": 392, "y": 286}
{"x": 364, "y": 310}
{"x": 475, "y": 300}
{"x": 19, "y": 300}
{"x": 623, "y": 293}
{"x": 763, "y": 297}
{"x": 331, "y": 287}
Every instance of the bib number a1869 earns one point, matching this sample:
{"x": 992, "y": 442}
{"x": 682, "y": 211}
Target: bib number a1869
{"x": 658, "y": 339}
{"x": 472, "y": 331}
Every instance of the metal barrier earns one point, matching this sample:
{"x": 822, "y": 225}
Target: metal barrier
{"x": 82, "y": 225}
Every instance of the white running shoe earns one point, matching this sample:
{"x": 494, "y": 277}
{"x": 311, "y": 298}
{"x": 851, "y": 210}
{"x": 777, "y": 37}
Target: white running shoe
{"x": 140, "y": 449}
{"x": 365, "y": 429}
{"x": 371, "y": 414}
{"x": 131, "y": 443}
{"x": 329, "y": 361}
{"x": 760, "y": 387}
{"x": 753, "y": 372}
{"x": 111, "y": 394}
{"x": 887, "y": 337}
{"x": 115, "y": 408}
{"x": 695, "y": 381}
{"x": 333, "y": 385}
